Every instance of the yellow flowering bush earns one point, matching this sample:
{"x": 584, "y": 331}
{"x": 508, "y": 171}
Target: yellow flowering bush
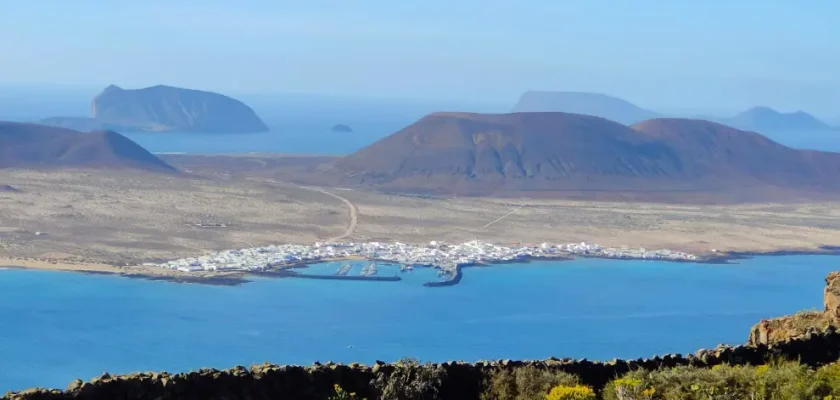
{"x": 632, "y": 388}
{"x": 576, "y": 392}
{"x": 340, "y": 394}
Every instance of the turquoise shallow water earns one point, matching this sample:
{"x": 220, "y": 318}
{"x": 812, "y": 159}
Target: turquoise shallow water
{"x": 57, "y": 326}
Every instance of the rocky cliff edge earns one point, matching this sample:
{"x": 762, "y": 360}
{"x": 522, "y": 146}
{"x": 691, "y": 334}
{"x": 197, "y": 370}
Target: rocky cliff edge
{"x": 791, "y": 326}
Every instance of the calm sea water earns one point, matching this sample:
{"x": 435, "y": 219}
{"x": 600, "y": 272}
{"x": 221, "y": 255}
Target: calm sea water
{"x": 823, "y": 140}
{"x": 315, "y": 137}
{"x": 58, "y": 326}
{"x": 310, "y": 137}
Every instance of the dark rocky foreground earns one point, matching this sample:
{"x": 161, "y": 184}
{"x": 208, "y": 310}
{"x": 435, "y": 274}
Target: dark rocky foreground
{"x": 458, "y": 381}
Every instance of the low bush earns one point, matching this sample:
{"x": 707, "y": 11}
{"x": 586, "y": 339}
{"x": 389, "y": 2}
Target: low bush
{"x": 525, "y": 383}
{"x": 410, "y": 380}
{"x": 775, "y": 381}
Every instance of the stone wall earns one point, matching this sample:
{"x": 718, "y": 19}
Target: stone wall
{"x": 461, "y": 381}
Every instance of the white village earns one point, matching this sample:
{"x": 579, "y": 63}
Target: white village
{"x": 446, "y": 257}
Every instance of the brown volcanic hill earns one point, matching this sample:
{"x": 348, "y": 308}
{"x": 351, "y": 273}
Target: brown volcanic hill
{"x": 559, "y": 152}
{"x": 532, "y": 145}
{"x": 719, "y": 150}
{"x": 31, "y": 145}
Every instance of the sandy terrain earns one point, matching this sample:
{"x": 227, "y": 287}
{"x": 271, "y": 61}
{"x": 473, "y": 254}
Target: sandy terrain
{"x": 101, "y": 220}
{"x": 120, "y": 218}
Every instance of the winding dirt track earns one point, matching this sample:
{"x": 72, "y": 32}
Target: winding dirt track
{"x": 354, "y": 213}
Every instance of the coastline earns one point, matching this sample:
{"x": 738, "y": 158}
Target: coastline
{"x": 729, "y": 256}
{"x": 236, "y": 278}
{"x": 139, "y": 272}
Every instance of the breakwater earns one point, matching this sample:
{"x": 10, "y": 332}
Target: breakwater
{"x": 452, "y": 280}
{"x": 395, "y": 278}
{"x": 289, "y": 273}
{"x": 458, "y": 380}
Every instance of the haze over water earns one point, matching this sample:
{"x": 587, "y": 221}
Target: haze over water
{"x": 291, "y": 138}
{"x": 315, "y": 138}
{"x": 59, "y": 326}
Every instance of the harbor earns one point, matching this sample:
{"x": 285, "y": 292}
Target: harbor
{"x": 447, "y": 258}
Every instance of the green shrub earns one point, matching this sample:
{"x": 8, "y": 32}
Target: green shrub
{"x": 828, "y": 381}
{"x": 410, "y": 380}
{"x": 776, "y": 381}
{"x": 629, "y": 387}
{"x": 524, "y": 383}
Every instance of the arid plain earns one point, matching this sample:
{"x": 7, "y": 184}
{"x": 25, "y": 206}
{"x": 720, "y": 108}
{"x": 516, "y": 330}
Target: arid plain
{"x": 100, "y": 220}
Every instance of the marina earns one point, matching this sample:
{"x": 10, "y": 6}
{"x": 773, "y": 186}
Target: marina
{"x": 294, "y": 274}
{"x": 447, "y": 258}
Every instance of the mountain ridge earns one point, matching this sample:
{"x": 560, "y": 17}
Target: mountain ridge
{"x": 485, "y": 154}
{"x": 766, "y": 119}
{"x": 586, "y": 103}
{"x": 25, "y": 145}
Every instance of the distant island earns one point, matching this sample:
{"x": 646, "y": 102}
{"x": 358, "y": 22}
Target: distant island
{"x": 757, "y": 119}
{"x": 164, "y": 109}
{"x": 39, "y": 146}
{"x": 341, "y": 128}
{"x": 766, "y": 119}
{"x": 595, "y": 104}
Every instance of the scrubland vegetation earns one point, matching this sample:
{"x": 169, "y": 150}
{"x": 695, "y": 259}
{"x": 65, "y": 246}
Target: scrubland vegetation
{"x": 776, "y": 381}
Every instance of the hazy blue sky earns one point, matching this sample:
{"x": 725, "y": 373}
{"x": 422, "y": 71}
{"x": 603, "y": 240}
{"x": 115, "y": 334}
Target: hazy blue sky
{"x": 711, "y": 54}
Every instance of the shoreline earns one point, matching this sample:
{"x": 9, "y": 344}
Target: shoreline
{"x": 237, "y": 278}
{"x": 145, "y": 273}
{"x": 727, "y": 257}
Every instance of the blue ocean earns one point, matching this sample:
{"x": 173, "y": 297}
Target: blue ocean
{"x": 314, "y": 136}
{"x": 309, "y": 137}
{"x": 317, "y": 138}
{"x": 57, "y": 326}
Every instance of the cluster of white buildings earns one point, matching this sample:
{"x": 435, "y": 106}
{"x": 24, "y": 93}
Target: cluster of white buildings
{"x": 445, "y": 256}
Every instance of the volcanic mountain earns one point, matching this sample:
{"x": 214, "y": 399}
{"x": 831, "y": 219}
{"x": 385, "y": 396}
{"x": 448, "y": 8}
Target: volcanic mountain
{"x": 165, "y": 108}
{"x": 36, "y": 146}
{"x": 595, "y": 104}
{"x": 483, "y": 154}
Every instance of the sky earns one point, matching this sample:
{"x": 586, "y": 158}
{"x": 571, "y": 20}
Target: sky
{"x": 668, "y": 55}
